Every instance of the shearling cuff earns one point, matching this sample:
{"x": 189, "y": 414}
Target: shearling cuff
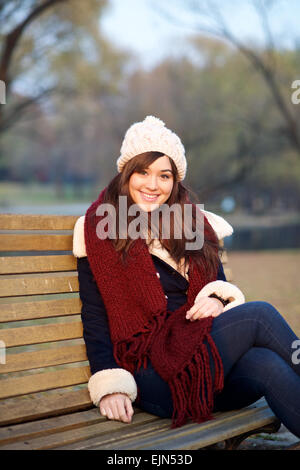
{"x": 225, "y": 290}
{"x": 111, "y": 381}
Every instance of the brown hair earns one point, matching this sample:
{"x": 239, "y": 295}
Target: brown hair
{"x": 119, "y": 186}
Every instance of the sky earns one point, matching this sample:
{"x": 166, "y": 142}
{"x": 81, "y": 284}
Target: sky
{"x": 139, "y": 27}
{"x": 136, "y": 25}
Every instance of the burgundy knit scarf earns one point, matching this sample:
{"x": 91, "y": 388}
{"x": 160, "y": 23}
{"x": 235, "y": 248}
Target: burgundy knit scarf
{"x": 141, "y": 327}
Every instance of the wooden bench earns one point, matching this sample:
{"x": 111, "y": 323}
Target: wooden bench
{"x": 45, "y": 403}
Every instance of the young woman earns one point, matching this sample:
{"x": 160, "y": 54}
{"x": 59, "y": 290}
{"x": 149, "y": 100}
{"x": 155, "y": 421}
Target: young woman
{"x": 162, "y": 326}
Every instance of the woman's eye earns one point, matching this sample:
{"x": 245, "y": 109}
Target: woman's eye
{"x": 142, "y": 172}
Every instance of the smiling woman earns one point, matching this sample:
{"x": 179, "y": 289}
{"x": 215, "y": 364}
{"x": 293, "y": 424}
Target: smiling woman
{"x": 162, "y": 326}
{"x": 152, "y": 187}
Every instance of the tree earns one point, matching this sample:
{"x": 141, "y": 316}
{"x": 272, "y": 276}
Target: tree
{"x": 53, "y": 54}
{"x": 263, "y": 60}
{"x": 10, "y": 42}
{"x": 53, "y": 44}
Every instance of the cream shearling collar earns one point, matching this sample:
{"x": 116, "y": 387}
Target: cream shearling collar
{"x": 220, "y": 226}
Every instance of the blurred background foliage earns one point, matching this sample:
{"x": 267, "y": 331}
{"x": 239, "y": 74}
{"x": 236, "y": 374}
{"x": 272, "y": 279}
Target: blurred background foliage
{"x": 231, "y": 106}
{"x": 71, "y": 94}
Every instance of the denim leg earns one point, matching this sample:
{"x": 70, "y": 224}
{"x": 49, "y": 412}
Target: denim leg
{"x": 262, "y": 372}
{"x": 252, "y": 324}
{"x": 155, "y": 394}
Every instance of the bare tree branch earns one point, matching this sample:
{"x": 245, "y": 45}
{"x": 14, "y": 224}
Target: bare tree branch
{"x": 262, "y": 8}
{"x": 266, "y": 70}
{"x": 14, "y": 36}
{"x": 5, "y": 12}
{"x": 10, "y": 43}
{"x": 20, "y": 108}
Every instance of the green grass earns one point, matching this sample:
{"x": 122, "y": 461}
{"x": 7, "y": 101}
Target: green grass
{"x": 36, "y": 193}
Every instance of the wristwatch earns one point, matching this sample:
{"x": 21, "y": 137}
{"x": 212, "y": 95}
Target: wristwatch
{"x": 224, "y": 302}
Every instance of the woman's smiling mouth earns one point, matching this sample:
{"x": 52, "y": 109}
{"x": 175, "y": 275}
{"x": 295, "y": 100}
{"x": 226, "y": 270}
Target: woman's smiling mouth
{"x": 149, "y": 197}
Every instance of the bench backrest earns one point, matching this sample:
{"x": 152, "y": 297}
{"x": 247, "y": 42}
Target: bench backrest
{"x": 41, "y": 332}
{"x": 43, "y": 363}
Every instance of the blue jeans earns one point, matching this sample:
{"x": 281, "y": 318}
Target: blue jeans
{"x": 255, "y": 345}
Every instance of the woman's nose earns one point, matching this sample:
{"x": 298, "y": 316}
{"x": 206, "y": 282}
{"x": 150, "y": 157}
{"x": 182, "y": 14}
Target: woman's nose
{"x": 152, "y": 183}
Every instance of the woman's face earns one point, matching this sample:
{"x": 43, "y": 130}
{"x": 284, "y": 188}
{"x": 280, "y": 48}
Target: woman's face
{"x": 152, "y": 186}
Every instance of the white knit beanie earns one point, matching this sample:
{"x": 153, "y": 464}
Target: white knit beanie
{"x": 151, "y": 135}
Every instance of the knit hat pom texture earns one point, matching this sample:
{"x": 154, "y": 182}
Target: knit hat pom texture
{"x": 152, "y": 135}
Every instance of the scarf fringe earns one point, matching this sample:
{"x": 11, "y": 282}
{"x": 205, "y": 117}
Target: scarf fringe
{"x": 133, "y": 354}
{"x": 193, "y": 389}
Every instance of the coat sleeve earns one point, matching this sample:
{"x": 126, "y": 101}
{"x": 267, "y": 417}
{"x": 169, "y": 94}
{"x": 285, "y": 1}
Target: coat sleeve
{"x": 107, "y": 377}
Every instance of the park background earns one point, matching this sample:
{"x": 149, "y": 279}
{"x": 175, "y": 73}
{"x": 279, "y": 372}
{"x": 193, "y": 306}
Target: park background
{"x": 221, "y": 74}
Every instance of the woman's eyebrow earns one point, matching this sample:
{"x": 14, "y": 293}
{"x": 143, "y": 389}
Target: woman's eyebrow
{"x": 161, "y": 170}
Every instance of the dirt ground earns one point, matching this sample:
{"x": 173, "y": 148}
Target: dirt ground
{"x": 282, "y": 440}
{"x": 273, "y": 277}
{"x": 270, "y": 276}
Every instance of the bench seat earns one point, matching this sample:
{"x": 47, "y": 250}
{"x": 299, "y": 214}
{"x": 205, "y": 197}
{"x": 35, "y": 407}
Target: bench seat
{"x": 89, "y": 430}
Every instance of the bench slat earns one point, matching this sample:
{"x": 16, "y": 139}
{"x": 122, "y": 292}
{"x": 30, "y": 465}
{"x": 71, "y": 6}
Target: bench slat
{"x": 35, "y": 264}
{"x": 154, "y": 426}
{"x": 193, "y": 441}
{"x": 33, "y": 284}
{"x": 41, "y": 333}
{"x": 194, "y": 436}
{"x": 48, "y": 426}
{"x": 101, "y": 428}
{"x": 43, "y": 405}
{"x": 44, "y": 358}
{"x": 19, "y": 311}
{"x": 30, "y": 242}
{"x": 151, "y": 430}
{"x": 146, "y": 432}
{"x": 46, "y": 381}
{"x": 37, "y": 222}
{"x": 56, "y": 432}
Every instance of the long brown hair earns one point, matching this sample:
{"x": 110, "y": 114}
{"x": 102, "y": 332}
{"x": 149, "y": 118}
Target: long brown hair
{"x": 119, "y": 186}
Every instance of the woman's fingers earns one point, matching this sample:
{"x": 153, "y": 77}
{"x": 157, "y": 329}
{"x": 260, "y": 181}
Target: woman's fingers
{"x": 206, "y": 313}
{"x": 115, "y": 410}
{"x": 123, "y": 414}
{"x": 197, "y": 306}
{"x": 117, "y": 406}
{"x": 204, "y": 307}
{"x": 201, "y": 314}
{"x": 129, "y": 408}
{"x": 199, "y": 309}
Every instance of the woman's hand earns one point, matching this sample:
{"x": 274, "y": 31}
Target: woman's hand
{"x": 205, "y": 307}
{"x": 117, "y": 406}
